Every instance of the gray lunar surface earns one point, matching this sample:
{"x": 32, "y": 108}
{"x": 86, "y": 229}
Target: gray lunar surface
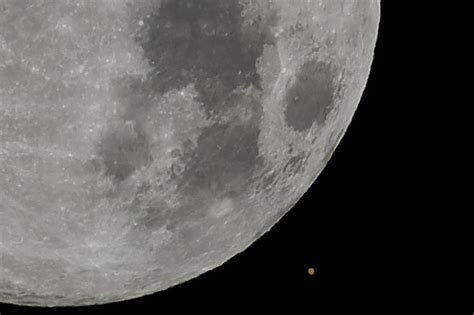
{"x": 143, "y": 143}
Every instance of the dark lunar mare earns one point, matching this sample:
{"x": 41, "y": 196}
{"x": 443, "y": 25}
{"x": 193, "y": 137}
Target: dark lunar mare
{"x": 311, "y": 97}
{"x": 123, "y": 151}
{"x": 203, "y": 43}
{"x": 124, "y": 146}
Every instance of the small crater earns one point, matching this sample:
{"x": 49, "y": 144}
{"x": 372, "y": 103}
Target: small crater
{"x": 311, "y": 97}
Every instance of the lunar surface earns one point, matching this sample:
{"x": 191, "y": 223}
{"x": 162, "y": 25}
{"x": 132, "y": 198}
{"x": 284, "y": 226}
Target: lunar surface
{"x": 143, "y": 143}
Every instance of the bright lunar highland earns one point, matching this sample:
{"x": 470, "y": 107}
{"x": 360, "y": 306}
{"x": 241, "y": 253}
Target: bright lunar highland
{"x": 143, "y": 143}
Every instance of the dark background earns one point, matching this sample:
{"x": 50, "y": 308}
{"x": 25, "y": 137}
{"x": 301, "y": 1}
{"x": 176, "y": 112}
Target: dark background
{"x": 339, "y": 227}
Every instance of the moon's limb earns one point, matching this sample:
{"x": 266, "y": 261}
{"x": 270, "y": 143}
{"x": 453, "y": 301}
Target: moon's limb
{"x": 143, "y": 143}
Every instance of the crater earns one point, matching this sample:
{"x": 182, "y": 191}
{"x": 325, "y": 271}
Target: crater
{"x": 311, "y": 97}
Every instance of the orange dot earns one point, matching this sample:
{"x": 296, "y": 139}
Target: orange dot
{"x": 311, "y": 271}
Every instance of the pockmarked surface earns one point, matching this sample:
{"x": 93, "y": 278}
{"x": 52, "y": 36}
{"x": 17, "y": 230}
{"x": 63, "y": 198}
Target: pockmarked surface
{"x": 143, "y": 143}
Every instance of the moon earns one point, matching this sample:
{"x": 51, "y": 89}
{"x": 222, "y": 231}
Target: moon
{"x": 143, "y": 143}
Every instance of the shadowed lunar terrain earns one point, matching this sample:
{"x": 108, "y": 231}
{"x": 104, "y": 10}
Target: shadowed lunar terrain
{"x": 143, "y": 143}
